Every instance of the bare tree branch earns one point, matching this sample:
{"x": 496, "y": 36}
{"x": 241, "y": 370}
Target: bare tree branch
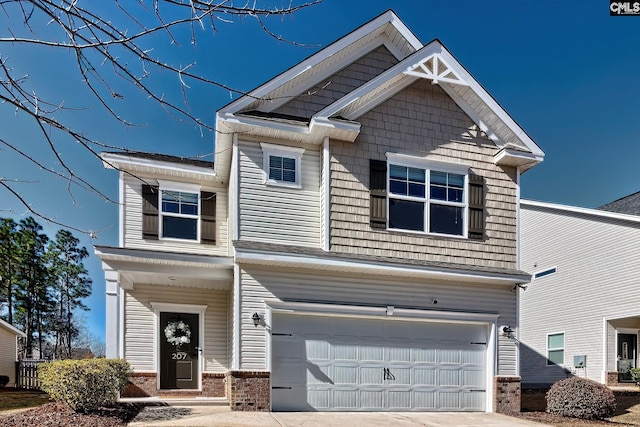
{"x": 112, "y": 51}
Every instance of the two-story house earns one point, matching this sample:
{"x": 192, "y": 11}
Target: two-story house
{"x": 354, "y": 247}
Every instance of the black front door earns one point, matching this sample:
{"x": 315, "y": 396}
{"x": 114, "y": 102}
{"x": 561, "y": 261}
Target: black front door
{"x": 627, "y": 345}
{"x": 179, "y": 350}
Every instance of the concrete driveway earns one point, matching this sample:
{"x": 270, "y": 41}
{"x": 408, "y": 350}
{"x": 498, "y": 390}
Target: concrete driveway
{"x": 223, "y": 416}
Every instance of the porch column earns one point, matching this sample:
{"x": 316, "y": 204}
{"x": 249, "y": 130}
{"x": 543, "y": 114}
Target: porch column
{"x": 112, "y": 337}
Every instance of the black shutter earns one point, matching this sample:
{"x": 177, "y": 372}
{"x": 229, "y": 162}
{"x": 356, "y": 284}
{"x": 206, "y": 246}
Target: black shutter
{"x": 476, "y": 207}
{"x": 150, "y": 212}
{"x": 208, "y": 217}
{"x": 378, "y": 193}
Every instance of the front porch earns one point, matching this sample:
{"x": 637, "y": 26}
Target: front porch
{"x": 621, "y": 352}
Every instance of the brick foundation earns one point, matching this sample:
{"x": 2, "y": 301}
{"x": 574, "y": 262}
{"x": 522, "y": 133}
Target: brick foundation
{"x": 213, "y": 385}
{"x": 506, "y": 395}
{"x": 612, "y": 378}
{"x": 248, "y": 391}
{"x": 141, "y": 384}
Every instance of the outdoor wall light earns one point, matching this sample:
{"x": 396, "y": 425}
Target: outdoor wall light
{"x": 507, "y": 331}
{"x": 256, "y": 319}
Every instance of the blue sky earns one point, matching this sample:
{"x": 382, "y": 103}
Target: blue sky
{"x": 566, "y": 71}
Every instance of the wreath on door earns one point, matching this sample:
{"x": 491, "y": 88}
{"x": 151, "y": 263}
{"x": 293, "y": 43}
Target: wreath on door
{"x": 178, "y": 333}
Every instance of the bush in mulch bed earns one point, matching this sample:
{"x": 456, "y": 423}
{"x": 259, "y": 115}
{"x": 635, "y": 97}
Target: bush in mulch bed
{"x": 581, "y": 398}
{"x": 58, "y": 414}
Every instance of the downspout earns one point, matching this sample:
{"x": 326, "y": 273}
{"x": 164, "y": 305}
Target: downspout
{"x": 518, "y": 290}
{"x": 326, "y": 172}
{"x": 235, "y": 170}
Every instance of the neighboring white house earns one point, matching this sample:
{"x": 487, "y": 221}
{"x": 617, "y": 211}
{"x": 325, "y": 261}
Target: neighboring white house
{"x": 353, "y": 248}
{"x": 9, "y": 350}
{"x": 581, "y": 312}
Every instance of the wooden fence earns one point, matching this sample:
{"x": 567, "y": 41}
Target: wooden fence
{"x": 27, "y": 374}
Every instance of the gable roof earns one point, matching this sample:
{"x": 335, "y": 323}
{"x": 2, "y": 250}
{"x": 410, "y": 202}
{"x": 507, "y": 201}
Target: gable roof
{"x": 626, "y": 205}
{"x": 253, "y": 113}
{"x": 9, "y": 327}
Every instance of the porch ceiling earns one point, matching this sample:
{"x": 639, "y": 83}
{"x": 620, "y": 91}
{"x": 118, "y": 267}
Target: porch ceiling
{"x": 136, "y": 266}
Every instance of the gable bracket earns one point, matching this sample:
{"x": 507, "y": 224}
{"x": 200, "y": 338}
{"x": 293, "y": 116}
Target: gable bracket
{"x": 436, "y": 69}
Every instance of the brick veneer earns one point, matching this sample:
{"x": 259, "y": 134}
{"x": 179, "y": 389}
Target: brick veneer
{"x": 506, "y": 394}
{"x": 612, "y": 378}
{"x": 248, "y": 391}
{"x": 142, "y": 384}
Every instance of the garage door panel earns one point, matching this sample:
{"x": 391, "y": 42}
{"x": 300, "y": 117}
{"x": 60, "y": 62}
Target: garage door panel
{"x": 351, "y": 364}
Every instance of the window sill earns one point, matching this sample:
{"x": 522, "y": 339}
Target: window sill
{"x": 283, "y": 185}
{"x": 425, "y": 233}
{"x": 173, "y": 239}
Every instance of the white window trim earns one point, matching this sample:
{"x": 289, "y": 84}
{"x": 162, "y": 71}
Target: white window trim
{"x": 281, "y": 151}
{"x": 430, "y": 165}
{"x": 564, "y": 348}
{"x": 183, "y": 188}
{"x": 533, "y": 276}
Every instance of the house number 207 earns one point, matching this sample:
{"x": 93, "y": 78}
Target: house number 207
{"x": 179, "y": 356}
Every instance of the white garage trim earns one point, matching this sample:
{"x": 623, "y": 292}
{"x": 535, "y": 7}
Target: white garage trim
{"x": 404, "y": 314}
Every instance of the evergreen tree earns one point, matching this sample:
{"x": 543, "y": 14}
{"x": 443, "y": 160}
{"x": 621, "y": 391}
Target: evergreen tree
{"x": 71, "y": 285}
{"x": 8, "y": 264}
{"x": 33, "y": 301}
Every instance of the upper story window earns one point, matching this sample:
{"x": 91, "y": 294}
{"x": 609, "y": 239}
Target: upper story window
{"x": 282, "y": 165}
{"x": 174, "y": 210}
{"x": 428, "y": 197}
{"x": 179, "y": 215}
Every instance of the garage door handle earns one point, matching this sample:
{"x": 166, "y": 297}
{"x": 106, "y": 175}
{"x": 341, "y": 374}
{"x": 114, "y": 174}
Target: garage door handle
{"x": 387, "y": 375}
{"x": 280, "y": 388}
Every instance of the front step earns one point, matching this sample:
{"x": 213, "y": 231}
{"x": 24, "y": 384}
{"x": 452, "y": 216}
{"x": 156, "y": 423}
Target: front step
{"x": 177, "y": 401}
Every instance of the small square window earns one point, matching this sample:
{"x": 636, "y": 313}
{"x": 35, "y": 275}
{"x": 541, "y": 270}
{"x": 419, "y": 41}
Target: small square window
{"x": 282, "y": 165}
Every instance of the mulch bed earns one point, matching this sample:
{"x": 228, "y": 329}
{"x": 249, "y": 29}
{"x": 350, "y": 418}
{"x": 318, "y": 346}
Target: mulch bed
{"x": 57, "y": 414}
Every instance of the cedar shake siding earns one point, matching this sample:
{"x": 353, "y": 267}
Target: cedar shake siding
{"x": 341, "y": 83}
{"x": 423, "y": 121}
{"x": 275, "y": 214}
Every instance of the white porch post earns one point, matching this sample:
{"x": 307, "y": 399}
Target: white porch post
{"x": 112, "y": 337}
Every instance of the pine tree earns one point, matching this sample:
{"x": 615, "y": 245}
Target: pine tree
{"x": 72, "y": 284}
{"x": 8, "y": 264}
{"x": 33, "y": 301}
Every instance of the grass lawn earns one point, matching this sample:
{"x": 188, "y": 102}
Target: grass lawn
{"x": 11, "y": 398}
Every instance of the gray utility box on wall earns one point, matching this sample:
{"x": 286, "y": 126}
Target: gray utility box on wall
{"x": 580, "y": 361}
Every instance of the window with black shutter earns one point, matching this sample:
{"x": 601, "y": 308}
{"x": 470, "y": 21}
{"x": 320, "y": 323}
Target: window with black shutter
{"x": 178, "y": 214}
{"x": 426, "y": 197}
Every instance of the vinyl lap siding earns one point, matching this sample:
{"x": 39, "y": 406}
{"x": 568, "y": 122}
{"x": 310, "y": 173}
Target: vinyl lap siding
{"x": 8, "y": 355}
{"x": 597, "y": 278}
{"x": 133, "y": 222}
{"x": 278, "y": 214}
{"x": 258, "y": 285}
{"x": 421, "y": 120}
{"x": 140, "y": 346}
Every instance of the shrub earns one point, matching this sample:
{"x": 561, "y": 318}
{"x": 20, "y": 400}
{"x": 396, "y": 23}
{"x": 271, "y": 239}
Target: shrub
{"x": 635, "y": 374}
{"x": 581, "y": 398}
{"x": 4, "y": 380}
{"x": 84, "y": 385}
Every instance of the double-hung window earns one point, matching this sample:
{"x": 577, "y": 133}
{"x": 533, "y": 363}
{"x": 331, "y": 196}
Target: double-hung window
{"x": 179, "y": 213}
{"x": 429, "y": 198}
{"x": 282, "y": 165}
{"x": 555, "y": 349}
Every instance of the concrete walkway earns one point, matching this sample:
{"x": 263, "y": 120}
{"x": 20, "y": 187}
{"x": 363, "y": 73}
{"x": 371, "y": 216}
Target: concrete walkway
{"x": 223, "y": 416}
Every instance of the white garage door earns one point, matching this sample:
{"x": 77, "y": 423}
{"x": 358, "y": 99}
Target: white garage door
{"x": 348, "y": 364}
